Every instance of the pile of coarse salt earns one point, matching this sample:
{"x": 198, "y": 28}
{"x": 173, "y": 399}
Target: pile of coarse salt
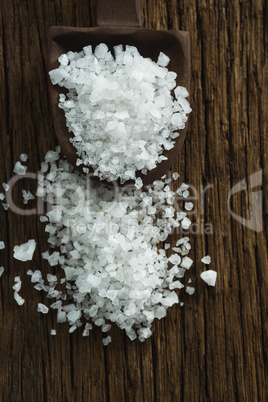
{"x": 106, "y": 241}
{"x": 120, "y": 109}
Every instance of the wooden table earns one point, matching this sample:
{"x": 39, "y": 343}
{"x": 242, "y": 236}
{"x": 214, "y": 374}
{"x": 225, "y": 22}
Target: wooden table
{"x": 215, "y": 347}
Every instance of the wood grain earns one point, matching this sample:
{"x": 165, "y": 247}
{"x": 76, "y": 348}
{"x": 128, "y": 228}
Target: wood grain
{"x": 215, "y": 347}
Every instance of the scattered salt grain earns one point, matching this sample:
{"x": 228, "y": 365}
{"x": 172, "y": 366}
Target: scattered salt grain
{"x": 17, "y": 286}
{"x": 5, "y": 186}
{"x": 2, "y": 245}
{"x": 186, "y": 262}
{"x": 206, "y": 259}
{"x": 185, "y": 194}
{"x": 19, "y": 299}
{"x": 175, "y": 175}
{"x": 209, "y": 277}
{"x": 43, "y": 218}
{"x": 19, "y": 169}
{"x": 106, "y": 340}
{"x": 186, "y": 223}
{"x": 163, "y": 60}
{"x": 2, "y": 196}
{"x": 27, "y": 195}
{"x": 41, "y": 308}
{"x": 190, "y": 290}
{"x": 188, "y": 206}
{"x": 24, "y": 157}
{"x": 5, "y": 206}
{"x": 25, "y": 251}
{"x": 176, "y": 285}
{"x": 53, "y": 332}
{"x": 1, "y": 271}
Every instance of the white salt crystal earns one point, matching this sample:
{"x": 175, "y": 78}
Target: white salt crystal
{"x": 27, "y": 195}
{"x": 23, "y": 157}
{"x": 72, "y": 328}
{"x": 171, "y": 299}
{"x": 209, "y": 277}
{"x": 5, "y": 206}
{"x": 93, "y": 280}
{"x": 160, "y": 312}
{"x": 25, "y": 251}
{"x": 188, "y": 206}
{"x": 44, "y": 167}
{"x": 101, "y": 50}
{"x": 53, "y": 332}
{"x": 206, "y": 259}
{"x": 1, "y": 271}
{"x": 63, "y": 60}
{"x": 181, "y": 91}
{"x": 17, "y": 286}
{"x": 19, "y": 299}
{"x": 145, "y": 332}
{"x": 41, "y": 308}
{"x": 61, "y": 317}
{"x": 175, "y": 259}
{"x": 106, "y": 340}
{"x": 43, "y": 218}
{"x": 183, "y": 240}
{"x": 5, "y": 186}
{"x": 73, "y": 316}
{"x": 2, "y": 245}
{"x": 2, "y": 196}
{"x": 175, "y": 175}
{"x": 138, "y": 183}
{"x": 19, "y": 169}
{"x": 190, "y": 290}
{"x": 176, "y": 285}
{"x": 186, "y": 262}
{"x": 36, "y": 276}
{"x": 186, "y": 223}
{"x": 51, "y": 156}
{"x": 106, "y": 327}
{"x": 56, "y": 76}
{"x": 163, "y": 60}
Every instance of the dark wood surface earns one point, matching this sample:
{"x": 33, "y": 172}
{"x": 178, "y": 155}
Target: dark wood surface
{"x": 215, "y": 347}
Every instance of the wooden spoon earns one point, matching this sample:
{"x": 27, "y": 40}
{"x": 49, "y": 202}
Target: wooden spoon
{"x": 119, "y": 23}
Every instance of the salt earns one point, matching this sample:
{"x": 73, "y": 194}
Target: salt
{"x": 190, "y": 290}
{"x": 24, "y": 157}
{"x": 19, "y": 169}
{"x": 134, "y": 123}
{"x": 41, "y": 308}
{"x": 206, "y": 259}
{"x": 25, "y": 251}
{"x": 209, "y": 277}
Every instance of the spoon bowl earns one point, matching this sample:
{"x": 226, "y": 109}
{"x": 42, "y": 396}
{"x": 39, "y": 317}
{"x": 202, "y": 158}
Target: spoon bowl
{"x": 112, "y": 32}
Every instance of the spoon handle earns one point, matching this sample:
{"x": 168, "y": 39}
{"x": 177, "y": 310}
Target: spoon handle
{"x": 118, "y": 13}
